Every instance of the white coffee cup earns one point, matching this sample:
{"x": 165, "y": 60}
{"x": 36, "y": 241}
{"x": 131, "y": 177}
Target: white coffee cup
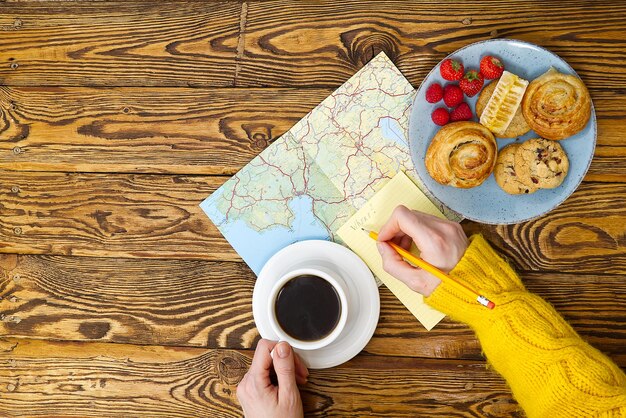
{"x": 336, "y": 282}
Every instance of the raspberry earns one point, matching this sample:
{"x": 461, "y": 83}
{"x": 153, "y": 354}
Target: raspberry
{"x": 452, "y": 95}
{"x": 461, "y": 112}
{"x": 434, "y": 93}
{"x": 440, "y": 116}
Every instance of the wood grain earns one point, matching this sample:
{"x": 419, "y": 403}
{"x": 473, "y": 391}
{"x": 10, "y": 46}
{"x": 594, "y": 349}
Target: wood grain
{"x": 157, "y": 216}
{"x": 151, "y": 310}
{"x": 208, "y": 304}
{"x": 192, "y": 131}
{"x": 134, "y": 215}
{"x": 326, "y": 42}
{"x": 595, "y": 305}
{"x": 40, "y": 378}
{"x": 157, "y": 302}
{"x": 278, "y": 43}
{"x": 119, "y": 43}
{"x": 150, "y": 130}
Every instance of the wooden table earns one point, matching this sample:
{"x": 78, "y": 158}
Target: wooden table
{"x": 120, "y": 298}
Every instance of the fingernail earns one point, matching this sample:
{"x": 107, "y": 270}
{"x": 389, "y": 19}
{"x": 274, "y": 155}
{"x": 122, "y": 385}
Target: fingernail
{"x": 283, "y": 350}
{"x": 381, "y": 247}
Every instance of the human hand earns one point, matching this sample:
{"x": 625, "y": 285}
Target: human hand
{"x": 442, "y": 243}
{"x": 259, "y": 397}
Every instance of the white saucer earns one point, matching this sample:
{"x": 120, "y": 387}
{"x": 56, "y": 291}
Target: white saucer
{"x": 362, "y": 293}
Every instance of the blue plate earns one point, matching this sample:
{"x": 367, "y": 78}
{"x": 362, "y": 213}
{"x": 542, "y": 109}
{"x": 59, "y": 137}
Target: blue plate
{"x": 488, "y": 203}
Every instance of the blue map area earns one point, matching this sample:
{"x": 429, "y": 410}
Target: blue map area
{"x": 256, "y": 248}
{"x": 393, "y": 131}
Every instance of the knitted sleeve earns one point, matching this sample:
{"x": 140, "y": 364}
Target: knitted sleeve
{"x": 552, "y": 372}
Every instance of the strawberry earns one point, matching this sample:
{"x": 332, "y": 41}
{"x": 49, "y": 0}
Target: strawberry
{"x": 491, "y": 67}
{"x": 451, "y": 70}
{"x": 440, "y": 116}
{"x": 452, "y": 95}
{"x": 434, "y": 93}
{"x": 471, "y": 83}
{"x": 461, "y": 112}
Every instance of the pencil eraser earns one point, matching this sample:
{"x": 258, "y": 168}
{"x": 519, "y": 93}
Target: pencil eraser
{"x": 491, "y": 305}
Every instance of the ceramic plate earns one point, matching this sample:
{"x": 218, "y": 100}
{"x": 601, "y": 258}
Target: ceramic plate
{"x": 488, "y": 203}
{"x": 362, "y": 293}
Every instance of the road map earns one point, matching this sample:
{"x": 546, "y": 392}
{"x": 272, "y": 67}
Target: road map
{"x": 311, "y": 180}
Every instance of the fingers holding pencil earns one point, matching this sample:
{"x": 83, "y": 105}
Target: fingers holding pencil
{"x": 427, "y": 231}
{"x": 416, "y": 279}
{"x": 442, "y": 243}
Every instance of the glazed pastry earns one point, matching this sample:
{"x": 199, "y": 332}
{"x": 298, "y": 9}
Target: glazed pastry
{"x": 518, "y": 125}
{"x": 503, "y": 103}
{"x": 541, "y": 163}
{"x": 462, "y": 154}
{"x": 505, "y": 174}
{"x": 556, "y": 105}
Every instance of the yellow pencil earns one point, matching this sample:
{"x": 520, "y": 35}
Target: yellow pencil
{"x": 435, "y": 271}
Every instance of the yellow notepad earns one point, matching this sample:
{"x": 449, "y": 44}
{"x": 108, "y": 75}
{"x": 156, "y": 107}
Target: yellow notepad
{"x": 400, "y": 190}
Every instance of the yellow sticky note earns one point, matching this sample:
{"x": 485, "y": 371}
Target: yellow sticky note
{"x": 400, "y": 190}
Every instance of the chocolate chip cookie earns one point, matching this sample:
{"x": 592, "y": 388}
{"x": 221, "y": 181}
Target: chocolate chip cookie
{"x": 541, "y": 163}
{"x": 505, "y": 173}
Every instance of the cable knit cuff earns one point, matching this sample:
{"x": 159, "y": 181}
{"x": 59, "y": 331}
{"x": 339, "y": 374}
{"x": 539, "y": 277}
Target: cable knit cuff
{"x": 483, "y": 270}
{"x": 551, "y": 371}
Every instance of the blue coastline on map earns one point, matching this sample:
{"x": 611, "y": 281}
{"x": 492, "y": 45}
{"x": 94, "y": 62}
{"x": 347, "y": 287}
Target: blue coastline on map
{"x": 255, "y": 248}
{"x": 392, "y": 130}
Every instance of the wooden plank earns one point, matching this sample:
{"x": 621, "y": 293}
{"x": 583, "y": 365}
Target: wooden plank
{"x": 157, "y": 216}
{"x": 192, "y": 131}
{"x": 153, "y": 130}
{"x": 208, "y": 304}
{"x": 317, "y": 44}
{"x": 110, "y": 215}
{"x": 94, "y": 379}
{"x": 119, "y": 43}
{"x": 156, "y": 302}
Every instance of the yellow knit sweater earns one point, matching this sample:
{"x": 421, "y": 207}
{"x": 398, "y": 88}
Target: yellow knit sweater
{"x": 552, "y": 372}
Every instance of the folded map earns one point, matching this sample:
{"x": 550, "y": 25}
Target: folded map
{"x": 312, "y": 179}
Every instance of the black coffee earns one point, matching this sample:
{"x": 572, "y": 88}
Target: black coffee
{"x": 307, "y": 308}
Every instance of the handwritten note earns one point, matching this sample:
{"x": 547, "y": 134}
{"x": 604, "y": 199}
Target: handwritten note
{"x": 400, "y": 190}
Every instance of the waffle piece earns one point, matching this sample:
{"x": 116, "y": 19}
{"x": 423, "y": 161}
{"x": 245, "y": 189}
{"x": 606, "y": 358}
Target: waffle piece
{"x": 504, "y": 102}
{"x": 518, "y": 125}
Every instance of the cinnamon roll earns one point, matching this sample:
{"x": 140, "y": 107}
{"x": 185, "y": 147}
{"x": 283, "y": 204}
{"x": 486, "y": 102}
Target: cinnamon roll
{"x": 462, "y": 154}
{"x": 556, "y": 105}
